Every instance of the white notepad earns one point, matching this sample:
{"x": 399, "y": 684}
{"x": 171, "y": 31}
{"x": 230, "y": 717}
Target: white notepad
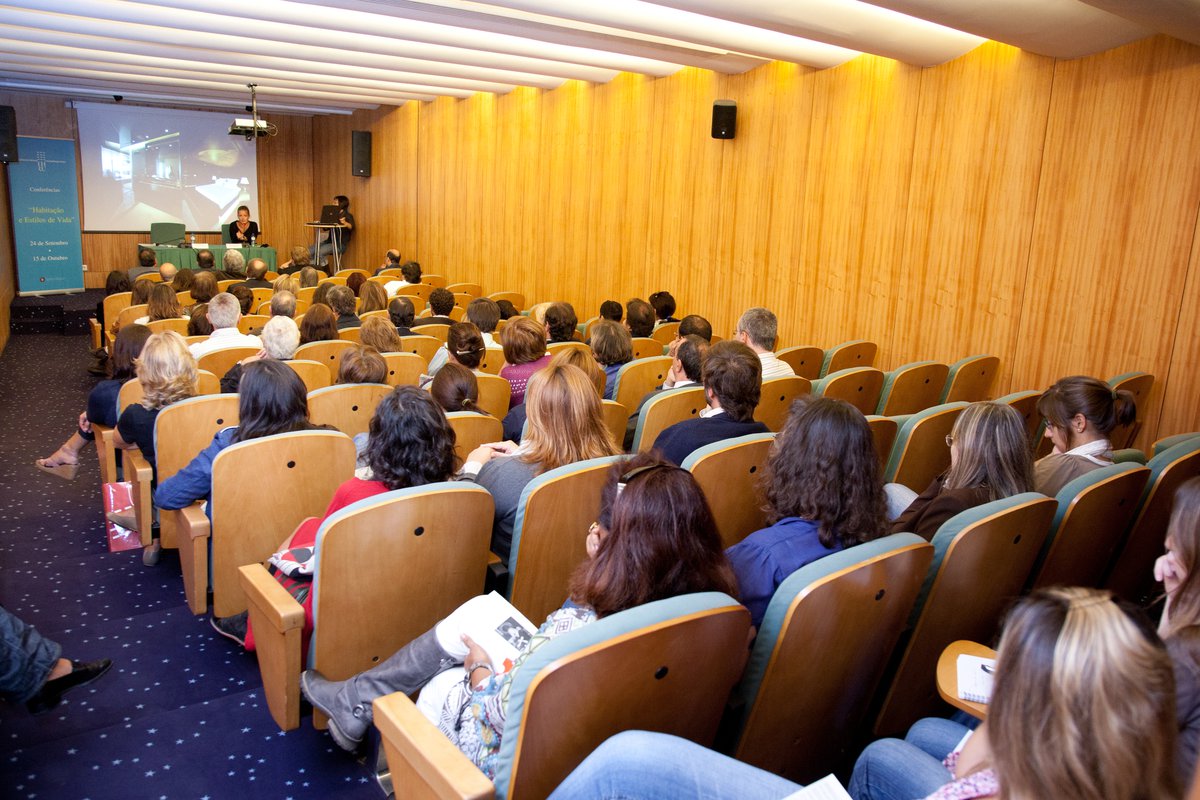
{"x": 828, "y": 788}
{"x": 975, "y": 682}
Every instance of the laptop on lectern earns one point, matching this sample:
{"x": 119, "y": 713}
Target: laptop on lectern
{"x": 329, "y": 215}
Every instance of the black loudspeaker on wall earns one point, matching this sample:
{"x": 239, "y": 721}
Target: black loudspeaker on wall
{"x": 724, "y": 124}
{"x": 360, "y": 153}
{"x": 8, "y": 134}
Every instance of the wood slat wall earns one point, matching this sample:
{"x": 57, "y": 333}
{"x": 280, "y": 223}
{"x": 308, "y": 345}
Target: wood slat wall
{"x": 1004, "y": 202}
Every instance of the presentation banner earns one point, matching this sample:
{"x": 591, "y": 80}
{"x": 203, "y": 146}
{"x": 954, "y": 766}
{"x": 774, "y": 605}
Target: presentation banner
{"x": 44, "y": 195}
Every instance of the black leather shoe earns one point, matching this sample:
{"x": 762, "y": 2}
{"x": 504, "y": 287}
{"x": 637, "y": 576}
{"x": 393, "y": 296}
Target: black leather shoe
{"x": 52, "y": 692}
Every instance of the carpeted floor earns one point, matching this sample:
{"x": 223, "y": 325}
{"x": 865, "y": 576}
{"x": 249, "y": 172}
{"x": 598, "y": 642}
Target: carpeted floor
{"x": 181, "y": 712}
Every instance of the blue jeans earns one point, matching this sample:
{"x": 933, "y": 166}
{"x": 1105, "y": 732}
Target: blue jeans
{"x": 655, "y": 766}
{"x": 26, "y": 658}
{"x": 890, "y": 769}
{"x": 318, "y": 252}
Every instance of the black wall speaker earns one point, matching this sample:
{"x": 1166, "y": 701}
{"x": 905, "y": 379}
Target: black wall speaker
{"x": 360, "y": 153}
{"x": 8, "y": 134}
{"x": 724, "y": 119}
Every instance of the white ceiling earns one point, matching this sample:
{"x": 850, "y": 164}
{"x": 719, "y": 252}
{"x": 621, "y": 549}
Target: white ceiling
{"x": 317, "y": 56}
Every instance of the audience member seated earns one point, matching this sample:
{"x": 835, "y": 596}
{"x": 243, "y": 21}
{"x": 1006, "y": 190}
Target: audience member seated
{"x": 341, "y": 300}
{"x": 989, "y": 460}
{"x": 318, "y": 325}
{"x": 758, "y": 330}
{"x": 167, "y": 271}
{"x": 441, "y": 301}
{"x": 184, "y": 280}
{"x": 115, "y": 282}
{"x": 256, "y": 274}
{"x": 286, "y": 283}
{"x": 823, "y": 493}
{"x": 411, "y": 272}
{"x": 687, "y": 369}
{"x": 537, "y": 312}
{"x": 524, "y": 354}
{"x": 354, "y": 282}
{"x": 391, "y": 260}
{"x": 372, "y": 297}
{"x": 402, "y": 315}
{"x": 234, "y": 264}
{"x": 507, "y": 309}
{"x": 361, "y": 364}
{"x": 561, "y": 322}
{"x": 224, "y": 313}
{"x": 455, "y": 388}
{"x": 1055, "y": 728}
{"x": 1080, "y": 413}
{"x": 35, "y": 673}
{"x": 691, "y": 325}
{"x": 655, "y": 539}
{"x": 565, "y": 426}
{"x": 167, "y": 372}
{"x": 612, "y": 347}
{"x": 378, "y": 333}
{"x": 639, "y": 318}
{"x": 280, "y": 338}
{"x": 139, "y": 295}
{"x": 309, "y": 276}
{"x": 1179, "y": 572}
{"x": 298, "y": 261}
{"x": 732, "y": 386}
{"x": 204, "y": 287}
{"x": 484, "y": 314}
{"x": 207, "y": 262}
{"x": 514, "y": 421}
{"x": 321, "y": 295}
{"x": 147, "y": 263}
{"x": 245, "y": 298}
{"x": 101, "y": 403}
{"x": 611, "y": 309}
{"x": 163, "y": 304}
{"x": 198, "y": 324}
{"x": 271, "y": 399}
{"x": 283, "y": 304}
{"x": 664, "y": 308}
{"x": 464, "y": 345}
{"x": 410, "y": 444}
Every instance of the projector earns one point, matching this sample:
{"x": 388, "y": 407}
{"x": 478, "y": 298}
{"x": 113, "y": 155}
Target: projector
{"x": 248, "y": 128}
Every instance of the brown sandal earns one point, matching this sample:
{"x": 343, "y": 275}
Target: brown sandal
{"x": 63, "y": 470}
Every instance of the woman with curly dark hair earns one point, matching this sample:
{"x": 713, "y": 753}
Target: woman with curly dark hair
{"x": 410, "y": 444}
{"x": 823, "y": 492}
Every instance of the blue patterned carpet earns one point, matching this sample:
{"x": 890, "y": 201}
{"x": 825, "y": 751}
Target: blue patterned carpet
{"x": 181, "y": 714}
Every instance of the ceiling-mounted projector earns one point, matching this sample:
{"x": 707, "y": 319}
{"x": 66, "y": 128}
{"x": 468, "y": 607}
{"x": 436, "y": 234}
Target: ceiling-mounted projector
{"x": 248, "y": 128}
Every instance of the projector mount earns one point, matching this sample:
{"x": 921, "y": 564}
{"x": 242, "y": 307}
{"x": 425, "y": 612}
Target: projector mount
{"x": 253, "y": 127}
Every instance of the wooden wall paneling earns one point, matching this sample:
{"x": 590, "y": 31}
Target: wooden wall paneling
{"x": 856, "y": 198}
{"x": 516, "y": 189}
{"x": 685, "y": 193}
{"x": 619, "y": 199}
{"x": 1180, "y": 407}
{"x": 1119, "y": 195}
{"x": 439, "y": 210}
{"x": 977, "y": 157}
{"x": 566, "y": 162}
{"x": 471, "y": 216}
{"x": 285, "y": 184}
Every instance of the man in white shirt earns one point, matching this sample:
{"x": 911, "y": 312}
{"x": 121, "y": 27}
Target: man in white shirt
{"x": 224, "y": 311}
{"x": 757, "y": 329}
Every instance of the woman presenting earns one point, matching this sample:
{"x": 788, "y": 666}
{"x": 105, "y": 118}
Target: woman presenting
{"x": 244, "y": 230}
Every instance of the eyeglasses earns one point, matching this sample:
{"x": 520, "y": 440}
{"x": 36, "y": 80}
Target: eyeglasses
{"x": 949, "y": 440}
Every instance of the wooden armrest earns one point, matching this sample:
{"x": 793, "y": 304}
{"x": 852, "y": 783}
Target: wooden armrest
{"x": 947, "y": 675}
{"x": 417, "y": 751}
{"x": 493, "y": 558}
{"x": 269, "y": 597}
{"x": 138, "y": 467}
{"x": 193, "y": 522}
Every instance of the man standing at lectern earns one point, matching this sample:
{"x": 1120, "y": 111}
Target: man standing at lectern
{"x": 335, "y": 237}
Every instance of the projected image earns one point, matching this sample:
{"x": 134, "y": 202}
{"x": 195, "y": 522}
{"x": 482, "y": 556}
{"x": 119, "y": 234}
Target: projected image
{"x": 142, "y": 166}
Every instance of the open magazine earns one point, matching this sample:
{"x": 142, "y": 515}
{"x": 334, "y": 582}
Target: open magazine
{"x": 501, "y": 630}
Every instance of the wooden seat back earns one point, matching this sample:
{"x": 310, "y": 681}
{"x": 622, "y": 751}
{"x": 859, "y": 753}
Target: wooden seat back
{"x": 114, "y": 304}
{"x": 348, "y": 407}
{"x": 776, "y": 398}
{"x": 616, "y": 417}
{"x": 472, "y": 430}
{"x": 516, "y": 298}
{"x": 912, "y": 388}
{"x": 663, "y": 411}
{"x": 883, "y": 434}
{"x": 314, "y": 374}
{"x": 494, "y": 394}
{"x": 646, "y": 347}
{"x": 970, "y": 379}
{"x": 1025, "y": 404}
{"x": 493, "y": 361}
{"x": 1140, "y": 385}
{"x": 640, "y": 377}
{"x": 218, "y": 362}
{"x": 418, "y": 293}
{"x": 554, "y": 348}
{"x": 404, "y": 369}
{"x": 424, "y": 346}
{"x": 805, "y": 360}
{"x": 177, "y": 324}
{"x": 472, "y": 289}
{"x": 729, "y": 474}
{"x": 433, "y": 330}
{"x": 328, "y": 353}
{"x": 858, "y": 386}
{"x": 353, "y": 334}
{"x": 434, "y": 281}
{"x": 127, "y": 315}
{"x": 982, "y": 559}
{"x": 849, "y": 355}
{"x": 920, "y": 453}
{"x": 263, "y": 489}
{"x": 248, "y": 322}
{"x": 665, "y": 333}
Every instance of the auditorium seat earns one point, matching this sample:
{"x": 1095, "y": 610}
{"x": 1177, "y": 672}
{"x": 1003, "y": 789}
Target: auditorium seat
{"x": 472, "y": 289}
{"x": 328, "y": 353}
{"x": 353, "y": 334}
{"x": 1025, "y": 404}
{"x": 218, "y": 362}
{"x": 176, "y": 324}
{"x": 346, "y": 273}
{"x": 920, "y": 452}
{"x": 805, "y": 360}
{"x": 730, "y": 473}
{"x": 776, "y": 398}
{"x": 663, "y": 411}
{"x": 492, "y": 361}
{"x": 665, "y": 333}
{"x": 516, "y": 298}
{"x": 616, "y": 418}
{"x": 314, "y": 374}
{"x": 249, "y": 322}
{"x": 348, "y": 407}
{"x": 883, "y": 435}
{"x": 821, "y": 650}
{"x": 971, "y": 379}
{"x": 638, "y": 378}
{"x": 472, "y": 430}
{"x": 404, "y": 369}
{"x": 224, "y": 284}
{"x": 665, "y": 666}
{"x": 911, "y": 388}
{"x": 848, "y": 355}
{"x": 858, "y": 386}
{"x": 494, "y": 394}
{"x": 1140, "y": 385}
{"x": 434, "y": 281}
{"x": 554, "y": 348}
{"x": 435, "y": 330}
{"x": 647, "y": 347}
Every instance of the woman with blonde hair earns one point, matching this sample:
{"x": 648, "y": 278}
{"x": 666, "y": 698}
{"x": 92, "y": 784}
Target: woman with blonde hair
{"x": 1082, "y": 709}
{"x": 989, "y": 460}
{"x": 565, "y": 426}
{"x": 286, "y": 283}
{"x": 167, "y": 372}
{"x": 379, "y": 333}
{"x": 372, "y": 297}
{"x": 612, "y": 347}
{"x": 163, "y": 304}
